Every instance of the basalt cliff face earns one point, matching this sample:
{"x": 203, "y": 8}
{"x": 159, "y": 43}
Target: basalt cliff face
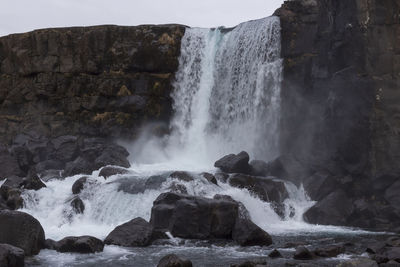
{"x": 96, "y": 81}
{"x": 340, "y": 106}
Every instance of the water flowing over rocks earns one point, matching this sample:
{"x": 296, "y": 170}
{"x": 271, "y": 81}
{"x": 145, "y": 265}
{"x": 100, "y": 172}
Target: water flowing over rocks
{"x": 21, "y": 230}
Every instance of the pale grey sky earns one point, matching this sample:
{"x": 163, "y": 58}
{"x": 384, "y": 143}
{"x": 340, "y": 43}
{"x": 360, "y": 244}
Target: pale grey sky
{"x": 26, "y": 15}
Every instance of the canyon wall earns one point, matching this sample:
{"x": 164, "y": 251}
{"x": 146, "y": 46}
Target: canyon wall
{"x": 340, "y": 103}
{"x": 95, "y": 81}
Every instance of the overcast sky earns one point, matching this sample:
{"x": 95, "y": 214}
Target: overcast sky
{"x": 26, "y": 15}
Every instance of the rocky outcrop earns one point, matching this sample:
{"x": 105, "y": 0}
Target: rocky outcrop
{"x": 11, "y": 256}
{"x": 194, "y": 217}
{"x": 339, "y": 99}
{"x": 21, "y": 230}
{"x": 92, "y": 81}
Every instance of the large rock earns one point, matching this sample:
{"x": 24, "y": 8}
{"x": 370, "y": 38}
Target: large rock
{"x": 80, "y": 244}
{"x": 32, "y": 182}
{"x": 11, "y": 256}
{"x": 194, "y": 217}
{"x": 234, "y": 163}
{"x": 172, "y": 260}
{"x": 334, "y": 209}
{"x": 246, "y": 233}
{"x": 135, "y": 233}
{"x": 78, "y": 185}
{"x": 21, "y": 230}
{"x": 267, "y": 189}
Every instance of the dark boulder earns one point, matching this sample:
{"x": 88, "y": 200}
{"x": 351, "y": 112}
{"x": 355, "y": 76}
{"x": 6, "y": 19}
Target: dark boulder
{"x": 173, "y": 260}
{"x": 78, "y": 185}
{"x": 194, "y": 217}
{"x": 135, "y": 233}
{"x": 12, "y": 182}
{"x": 210, "y": 178}
{"x": 21, "y": 230}
{"x": 80, "y": 244}
{"x": 14, "y": 200}
{"x": 243, "y": 212}
{"x": 275, "y": 254}
{"x": 11, "y": 256}
{"x": 77, "y": 205}
{"x": 113, "y": 155}
{"x": 267, "y": 189}
{"x": 247, "y": 233}
{"x": 110, "y": 171}
{"x": 302, "y": 253}
{"x": 11, "y": 193}
{"x": 234, "y": 163}
{"x": 32, "y": 182}
{"x": 334, "y": 209}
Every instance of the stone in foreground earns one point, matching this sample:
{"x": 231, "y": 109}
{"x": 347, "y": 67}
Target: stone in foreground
{"x": 135, "y": 233}
{"x": 21, "y": 230}
{"x": 234, "y": 163}
{"x": 11, "y": 256}
{"x": 80, "y": 244}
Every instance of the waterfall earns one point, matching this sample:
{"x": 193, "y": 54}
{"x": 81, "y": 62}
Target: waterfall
{"x": 226, "y": 99}
{"x": 227, "y": 93}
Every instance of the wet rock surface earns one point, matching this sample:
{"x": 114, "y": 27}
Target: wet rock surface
{"x": 234, "y": 163}
{"x": 135, "y": 233}
{"x": 21, "y": 230}
{"x": 194, "y": 217}
{"x": 80, "y": 244}
{"x": 11, "y": 256}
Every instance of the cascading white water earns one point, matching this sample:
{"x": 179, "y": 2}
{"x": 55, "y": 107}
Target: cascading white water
{"x": 226, "y": 94}
{"x": 226, "y": 99}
